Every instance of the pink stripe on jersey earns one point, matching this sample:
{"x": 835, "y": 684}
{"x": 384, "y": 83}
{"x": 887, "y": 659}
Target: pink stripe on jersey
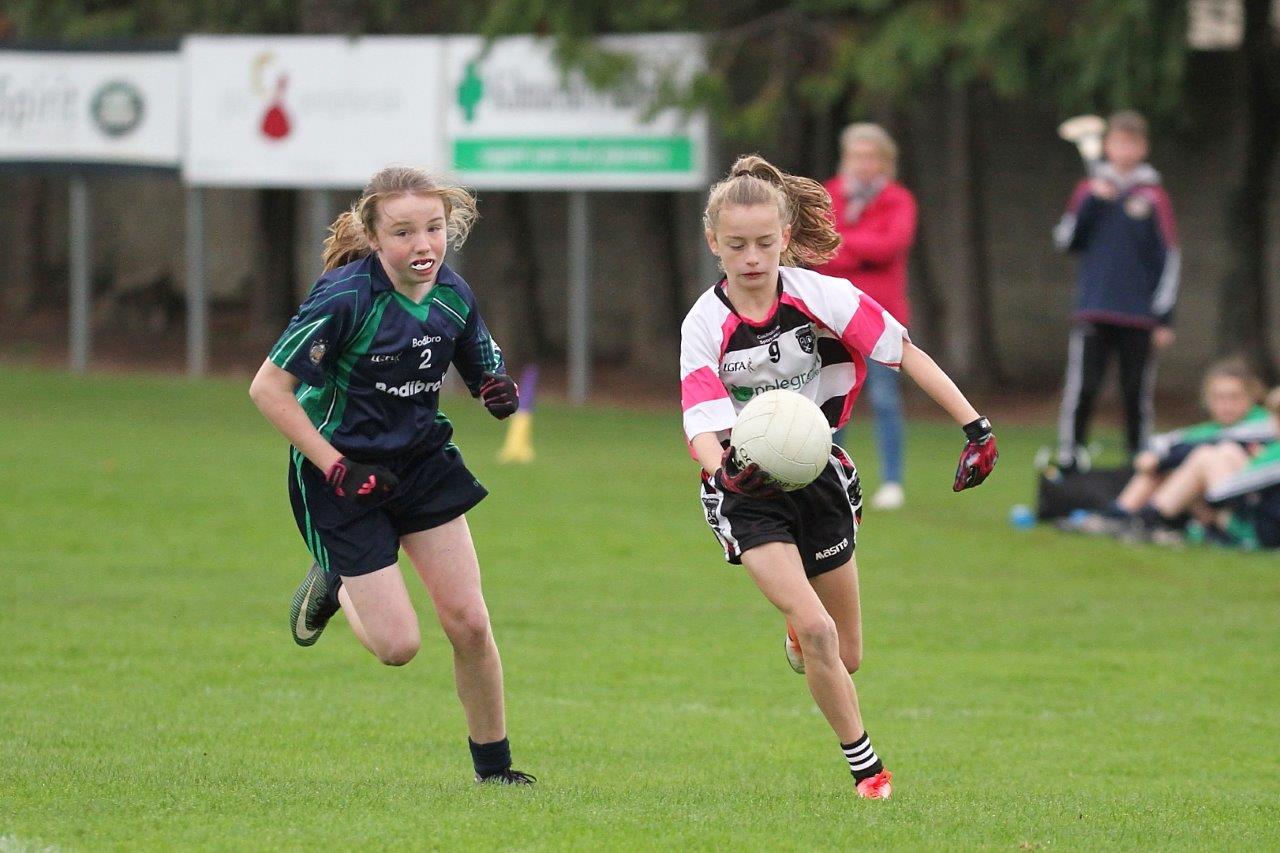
{"x": 1164, "y": 216}
{"x": 798, "y": 303}
{"x": 864, "y": 329}
{"x": 730, "y": 325}
{"x": 700, "y": 386}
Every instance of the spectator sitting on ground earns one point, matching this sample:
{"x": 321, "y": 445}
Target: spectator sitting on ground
{"x": 1230, "y": 393}
{"x": 1247, "y": 504}
{"x": 1208, "y": 478}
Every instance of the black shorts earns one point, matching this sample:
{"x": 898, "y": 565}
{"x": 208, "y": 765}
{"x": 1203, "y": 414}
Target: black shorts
{"x": 821, "y": 519}
{"x": 353, "y": 539}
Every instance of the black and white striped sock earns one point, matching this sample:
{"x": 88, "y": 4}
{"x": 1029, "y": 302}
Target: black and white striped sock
{"x": 863, "y": 761}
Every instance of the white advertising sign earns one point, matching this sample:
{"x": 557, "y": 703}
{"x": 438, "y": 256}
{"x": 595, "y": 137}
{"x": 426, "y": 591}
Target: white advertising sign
{"x": 516, "y": 121}
{"x": 95, "y": 108}
{"x": 319, "y": 112}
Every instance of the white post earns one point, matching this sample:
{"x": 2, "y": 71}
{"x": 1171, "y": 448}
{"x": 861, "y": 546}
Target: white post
{"x": 80, "y": 297}
{"x": 320, "y": 202}
{"x": 197, "y": 299}
{"x": 579, "y": 300}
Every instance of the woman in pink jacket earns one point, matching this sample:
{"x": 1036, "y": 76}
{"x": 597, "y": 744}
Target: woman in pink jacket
{"x": 876, "y": 218}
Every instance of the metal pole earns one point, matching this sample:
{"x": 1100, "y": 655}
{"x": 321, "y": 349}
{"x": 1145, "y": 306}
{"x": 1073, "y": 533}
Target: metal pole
{"x": 579, "y": 300}
{"x": 80, "y": 295}
{"x": 320, "y": 203}
{"x": 197, "y": 299}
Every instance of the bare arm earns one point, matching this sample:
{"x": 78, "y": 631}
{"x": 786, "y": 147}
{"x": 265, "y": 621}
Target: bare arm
{"x": 925, "y": 372}
{"x": 707, "y": 448}
{"x": 272, "y": 392}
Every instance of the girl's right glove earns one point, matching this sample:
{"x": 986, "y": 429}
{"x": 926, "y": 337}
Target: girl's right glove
{"x": 746, "y": 480}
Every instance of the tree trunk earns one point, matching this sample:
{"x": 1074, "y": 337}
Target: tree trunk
{"x": 959, "y": 278}
{"x": 985, "y": 351}
{"x": 528, "y": 275}
{"x": 272, "y": 298}
{"x": 1245, "y": 305}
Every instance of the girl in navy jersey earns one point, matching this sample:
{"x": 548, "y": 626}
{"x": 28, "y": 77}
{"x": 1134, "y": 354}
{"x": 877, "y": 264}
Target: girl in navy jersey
{"x": 354, "y": 384}
{"x": 771, "y": 323}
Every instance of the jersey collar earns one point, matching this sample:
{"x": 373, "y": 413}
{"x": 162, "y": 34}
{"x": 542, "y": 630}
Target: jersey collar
{"x": 767, "y": 321}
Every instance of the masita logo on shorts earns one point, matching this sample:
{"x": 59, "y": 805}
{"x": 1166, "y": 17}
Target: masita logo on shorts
{"x": 409, "y": 389}
{"x": 833, "y": 550}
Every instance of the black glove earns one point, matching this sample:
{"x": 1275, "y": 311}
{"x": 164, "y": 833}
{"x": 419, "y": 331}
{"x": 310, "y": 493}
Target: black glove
{"x": 359, "y": 482}
{"x": 746, "y": 480}
{"x": 500, "y": 394}
{"x": 978, "y": 457}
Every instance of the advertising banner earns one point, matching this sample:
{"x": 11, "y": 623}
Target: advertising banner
{"x": 90, "y": 108}
{"x": 310, "y": 112}
{"x": 516, "y": 121}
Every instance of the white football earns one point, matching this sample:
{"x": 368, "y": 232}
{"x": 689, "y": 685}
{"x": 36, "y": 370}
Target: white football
{"x": 786, "y": 434}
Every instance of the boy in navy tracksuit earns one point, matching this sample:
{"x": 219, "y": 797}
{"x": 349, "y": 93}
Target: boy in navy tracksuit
{"x": 1121, "y": 222}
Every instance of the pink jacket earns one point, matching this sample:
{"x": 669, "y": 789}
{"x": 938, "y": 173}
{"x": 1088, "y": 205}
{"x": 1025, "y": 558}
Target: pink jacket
{"x": 873, "y": 251}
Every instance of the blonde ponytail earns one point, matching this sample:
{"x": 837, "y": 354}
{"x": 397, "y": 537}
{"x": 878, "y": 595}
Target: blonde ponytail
{"x": 802, "y": 203}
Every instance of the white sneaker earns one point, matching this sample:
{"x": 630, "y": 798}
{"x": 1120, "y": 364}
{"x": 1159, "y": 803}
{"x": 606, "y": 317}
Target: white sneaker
{"x": 888, "y": 496}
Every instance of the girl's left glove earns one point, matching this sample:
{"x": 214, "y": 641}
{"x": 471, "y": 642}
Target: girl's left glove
{"x": 500, "y": 394}
{"x": 978, "y": 457}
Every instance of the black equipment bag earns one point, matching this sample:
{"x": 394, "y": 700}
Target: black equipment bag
{"x": 1059, "y": 494}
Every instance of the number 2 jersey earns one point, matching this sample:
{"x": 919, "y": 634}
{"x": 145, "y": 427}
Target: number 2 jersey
{"x": 371, "y": 361}
{"x": 816, "y": 343}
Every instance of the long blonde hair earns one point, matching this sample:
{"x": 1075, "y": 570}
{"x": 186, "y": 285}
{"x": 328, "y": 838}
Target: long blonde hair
{"x": 802, "y": 203}
{"x": 348, "y": 238}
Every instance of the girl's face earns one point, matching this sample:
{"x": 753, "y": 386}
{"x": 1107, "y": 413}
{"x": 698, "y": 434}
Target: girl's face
{"x": 1124, "y": 150}
{"x": 749, "y": 241}
{"x": 863, "y": 161}
{"x": 410, "y": 239}
{"x": 1227, "y": 399}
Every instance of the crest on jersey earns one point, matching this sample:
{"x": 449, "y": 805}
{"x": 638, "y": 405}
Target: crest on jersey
{"x": 804, "y": 337}
{"x": 1137, "y": 206}
{"x": 317, "y": 351}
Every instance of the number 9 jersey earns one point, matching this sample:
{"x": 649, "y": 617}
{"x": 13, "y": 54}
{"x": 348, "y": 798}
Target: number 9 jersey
{"x": 371, "y": 361}
{"x": 816, "y": 343}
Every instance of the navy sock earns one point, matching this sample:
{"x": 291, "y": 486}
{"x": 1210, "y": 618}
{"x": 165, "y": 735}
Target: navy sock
{"x": 490, "y": 758}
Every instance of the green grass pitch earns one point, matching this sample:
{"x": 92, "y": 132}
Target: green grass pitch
{"x": 1027, "y": 689}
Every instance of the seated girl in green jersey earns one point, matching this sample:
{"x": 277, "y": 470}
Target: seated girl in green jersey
{"x": 1173, "y": 474}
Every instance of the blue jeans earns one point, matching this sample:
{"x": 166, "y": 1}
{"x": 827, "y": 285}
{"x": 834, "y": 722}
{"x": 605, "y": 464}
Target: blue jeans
{"x": 886, "y": 405}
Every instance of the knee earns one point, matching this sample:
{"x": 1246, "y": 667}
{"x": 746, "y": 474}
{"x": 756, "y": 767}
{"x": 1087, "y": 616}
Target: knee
{"x": 398, "y": 651}
{"x": 468, "y": 630}
{"x": 818, "y": 636}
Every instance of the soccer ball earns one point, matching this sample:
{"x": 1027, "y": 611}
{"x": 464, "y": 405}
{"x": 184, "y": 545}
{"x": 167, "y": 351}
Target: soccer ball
{"x": 786, "y": 434}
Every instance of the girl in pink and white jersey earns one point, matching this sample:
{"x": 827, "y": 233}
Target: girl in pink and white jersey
{"x": 771, "y": 323}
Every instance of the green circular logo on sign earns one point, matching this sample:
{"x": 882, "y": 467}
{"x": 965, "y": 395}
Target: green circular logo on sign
{"x": 117, "y": 108}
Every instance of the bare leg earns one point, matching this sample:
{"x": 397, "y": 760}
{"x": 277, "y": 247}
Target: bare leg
{"x": 777, "y": 571}
{"x": 446, "y": 561}
{"x": 1191, "y": 479}
{"x": 1138, "y": 491}
{"x": 838, "y": 592}
{"x": 378, "y": 607}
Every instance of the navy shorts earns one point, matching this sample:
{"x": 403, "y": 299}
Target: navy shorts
{"x": 354, "y": 539}
{"x": 821, "y": 519}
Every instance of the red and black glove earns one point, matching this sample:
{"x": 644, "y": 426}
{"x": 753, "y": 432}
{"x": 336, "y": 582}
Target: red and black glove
{"x": 978, "y": 457}
{"x": 500, "y": 394}
{"x": 359, "y": 482}
{"x": 746, "y": 480}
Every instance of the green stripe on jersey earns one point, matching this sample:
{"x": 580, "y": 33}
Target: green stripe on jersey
{"x": 314, "y": 545}
{"x": 291, "y": 343}
{"x": 326, "y": 408}
{"x": 453, "y": 304}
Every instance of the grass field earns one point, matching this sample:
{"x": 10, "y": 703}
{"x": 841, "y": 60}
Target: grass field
{"x": 1028, "y": 690}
